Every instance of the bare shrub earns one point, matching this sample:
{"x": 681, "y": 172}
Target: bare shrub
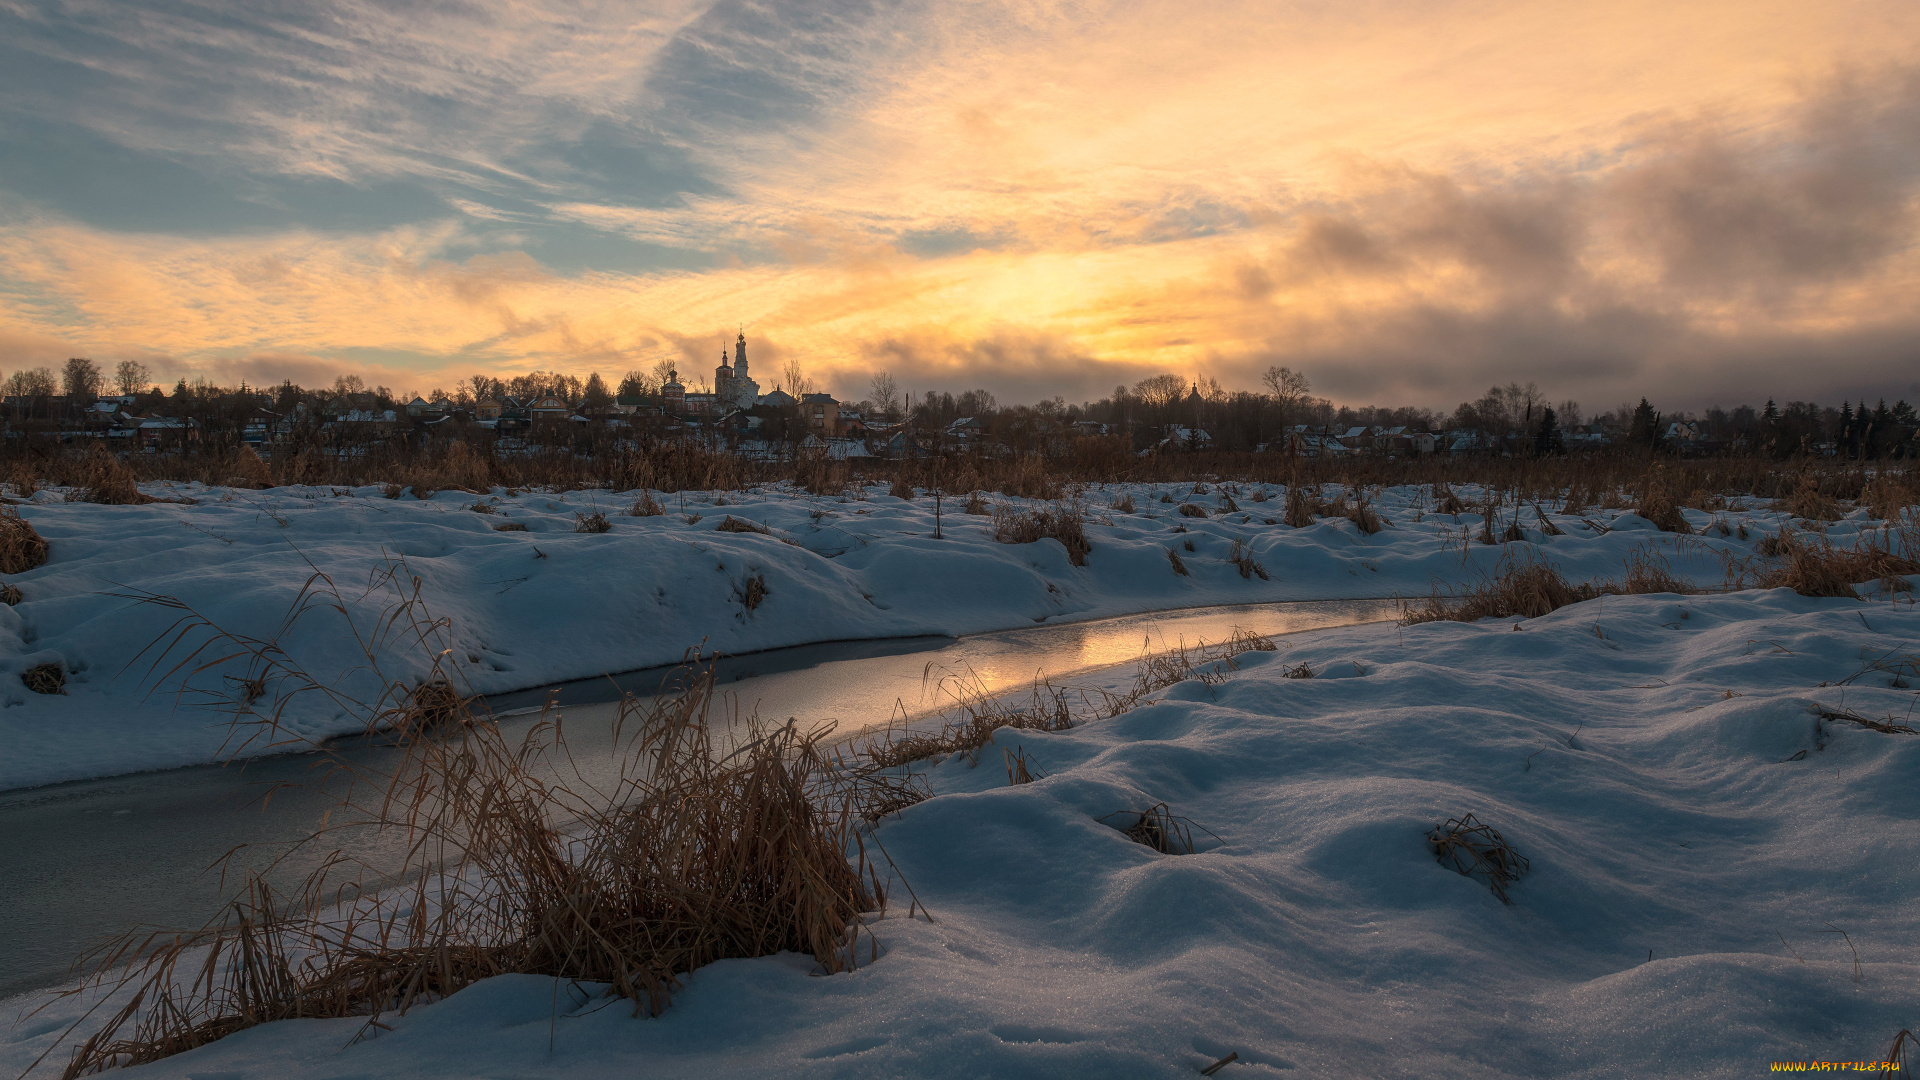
{"x": 1067, "y": 525}
{"x": 21, "y": 547}
{"x": 646, "y": 506}
{"x": 1477, "y": 850}
{"x": 595, "y": 522}
{"x": 46, "y": 678}
{"x": 1241, "y": 556}
{"x": 1192, "y": 510}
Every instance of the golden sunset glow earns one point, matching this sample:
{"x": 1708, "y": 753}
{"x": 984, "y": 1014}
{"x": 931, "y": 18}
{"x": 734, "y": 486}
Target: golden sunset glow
{"x": 1406, "y": 201}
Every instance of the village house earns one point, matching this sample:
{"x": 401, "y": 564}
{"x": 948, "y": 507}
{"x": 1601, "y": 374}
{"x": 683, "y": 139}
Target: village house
{"x": 822, "y": 414}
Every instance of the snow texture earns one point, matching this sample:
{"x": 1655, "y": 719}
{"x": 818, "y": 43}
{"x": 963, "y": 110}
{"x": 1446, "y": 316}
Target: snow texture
{"x": 548, "y": 604}
{"x": 1695, "y": 830}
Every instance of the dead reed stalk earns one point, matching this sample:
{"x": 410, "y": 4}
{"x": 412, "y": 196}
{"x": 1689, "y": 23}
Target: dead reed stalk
{"x": 1475, "y": 849}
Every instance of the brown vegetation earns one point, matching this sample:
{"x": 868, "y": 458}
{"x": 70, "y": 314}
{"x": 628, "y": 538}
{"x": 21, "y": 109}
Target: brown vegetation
{"x": 1479, "y": 850}
{"x": 1065, "y": 524}
{"x": 513, "y": 861}
{"x": 594, "y": 522}
{"x": 21, "y": 548}
{"x": 46, "y": 678}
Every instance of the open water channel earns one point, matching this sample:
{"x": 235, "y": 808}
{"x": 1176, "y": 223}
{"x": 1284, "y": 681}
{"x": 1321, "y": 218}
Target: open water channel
{"x": 83, "y": 860}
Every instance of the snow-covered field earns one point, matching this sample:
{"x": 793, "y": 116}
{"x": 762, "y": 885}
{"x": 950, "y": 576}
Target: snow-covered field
{"x": 1698, "y": 835}
{"x": 529, "y": 608}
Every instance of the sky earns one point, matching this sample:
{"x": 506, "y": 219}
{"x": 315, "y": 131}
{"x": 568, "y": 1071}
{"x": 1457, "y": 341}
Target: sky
{"x": 1702, "y": 203}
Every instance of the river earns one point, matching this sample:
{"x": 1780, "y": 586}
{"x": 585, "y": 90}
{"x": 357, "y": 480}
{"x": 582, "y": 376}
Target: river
{"x": 93, "y": 858}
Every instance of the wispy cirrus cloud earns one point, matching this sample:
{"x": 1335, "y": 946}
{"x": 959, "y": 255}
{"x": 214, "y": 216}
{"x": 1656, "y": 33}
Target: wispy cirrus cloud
{"x": 1409, "y": 200}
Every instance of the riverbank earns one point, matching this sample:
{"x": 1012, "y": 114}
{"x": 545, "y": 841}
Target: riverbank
{"x": 509, "y": 594}
{"x": 1700, "y": 819}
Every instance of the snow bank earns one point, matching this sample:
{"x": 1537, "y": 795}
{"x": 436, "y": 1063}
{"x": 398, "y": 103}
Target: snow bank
{"x": 547, "y": 604}
{"x": 1695, "y": 832}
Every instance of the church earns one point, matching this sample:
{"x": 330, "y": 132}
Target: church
{"x": 732, "y": 385}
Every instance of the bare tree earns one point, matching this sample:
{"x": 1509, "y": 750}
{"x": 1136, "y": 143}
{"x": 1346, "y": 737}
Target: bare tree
{"x": 796, "y": 376}
{"x": 1288, "y": 387}
{"x": 132, "y": 376}
{"x": 82, "y": 378}
{"x": 885, "y": 394}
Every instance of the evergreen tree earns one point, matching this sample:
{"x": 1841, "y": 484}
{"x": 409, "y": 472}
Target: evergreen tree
{"x": 1546, "y": 440}
{"x": 595, "y": 393}
{"x": 1847, "y": 437}
{"x": 1645, "y": 428}
{"x": 1769, "y": 431}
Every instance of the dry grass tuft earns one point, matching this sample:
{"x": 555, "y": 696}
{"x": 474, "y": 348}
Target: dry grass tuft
{"x": 46, "y": 678}
{"x": 646, "y": 506}
{"x": 1807, "y": 502}
{"x": 1546, "y": 524}
{"x": 1179, "y": 567}
{"x": 1886, "y": 498}
{"x": 511, "y": 526}
{"x": 900, "y": 488}
{"x": 1192, "y": 510}
{"x": 1019, "y": 770}
{"x": 1299, "y": 671}
{"x": 752, "y": 592}
{"x": 1124, "y": 504}
{"x": 1300, "y": 509}
{"x": 1658, "y": 505}
{"x": 1814, "y": 567}
{"x": 1524, "y": 587}
{"x": 1647, "y": 572}
{"x": 1156, "y": 827}
{"x": 595, "y": 522}
{"x": 737, "y": 525}
{"x": 249, "y": 471}
{"x": 1475, "y": 849}
{"x": 518, "y": 858}
{"x": 21, "y": 548}
{"x": 1241, "y": 556}
{"x": 976, "y": 505}
{"x": 1362, "y": 515}
{"x": 1260, "y": 496}
{"x": 104, "y": 478}
{"x": 483, "y": 507}
{"x": 1065, "y": 524}
{"x": 1445, "y": 501}
{"x": 10, "y": 594}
